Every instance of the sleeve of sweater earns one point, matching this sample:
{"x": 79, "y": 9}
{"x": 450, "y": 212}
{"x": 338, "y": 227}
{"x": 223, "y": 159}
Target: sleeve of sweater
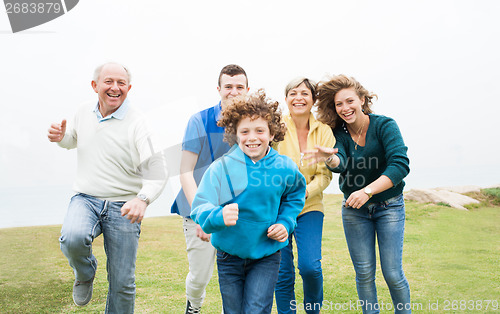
{"x": 152, "y": 162}
{"x": 323, "y": 176}
{"x": 398, "y": 164}
{"x": 293, "y": 200}
{"x": 206, "y": 210}
{"x": 69, "y": 140}
{"x": 342, "y": 146}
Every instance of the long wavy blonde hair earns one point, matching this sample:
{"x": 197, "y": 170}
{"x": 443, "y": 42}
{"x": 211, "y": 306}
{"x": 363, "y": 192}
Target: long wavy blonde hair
{"x": 326, "y": 98}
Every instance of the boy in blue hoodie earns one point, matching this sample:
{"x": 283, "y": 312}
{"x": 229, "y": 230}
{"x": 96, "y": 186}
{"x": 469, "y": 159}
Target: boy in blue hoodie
{"x": 249, "y": 200}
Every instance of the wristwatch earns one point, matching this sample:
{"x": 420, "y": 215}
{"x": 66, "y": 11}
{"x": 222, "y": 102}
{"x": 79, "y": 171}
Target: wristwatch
{"x": 144, "y": 198}
{"x": 368, "y": 192}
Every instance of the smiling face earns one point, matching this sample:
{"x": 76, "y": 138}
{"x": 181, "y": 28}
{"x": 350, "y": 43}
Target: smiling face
{"x": 254, "y": 137}
{"x": 232, "y": 86}
{"x": 299, "y": 100}
{"x": 111, "y": 87}
{"x": 348, "y": 105}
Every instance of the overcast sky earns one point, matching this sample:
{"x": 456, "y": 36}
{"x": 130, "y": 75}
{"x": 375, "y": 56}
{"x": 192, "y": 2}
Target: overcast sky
{"x": 434, "y": 65}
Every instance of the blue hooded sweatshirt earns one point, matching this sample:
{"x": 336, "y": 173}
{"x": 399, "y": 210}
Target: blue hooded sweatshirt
{"x": 267, "y": 192}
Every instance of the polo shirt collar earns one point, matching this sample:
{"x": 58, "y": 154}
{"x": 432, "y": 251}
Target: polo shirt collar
{"x": 118, "y": 114}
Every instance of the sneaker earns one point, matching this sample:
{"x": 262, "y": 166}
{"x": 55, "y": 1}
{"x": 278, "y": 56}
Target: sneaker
{"x": 82, "y": 292}
{"x": 191, "y": 309}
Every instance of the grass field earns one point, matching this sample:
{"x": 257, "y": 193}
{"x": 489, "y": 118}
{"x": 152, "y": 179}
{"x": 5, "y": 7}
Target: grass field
{"x": 451, "y": 259}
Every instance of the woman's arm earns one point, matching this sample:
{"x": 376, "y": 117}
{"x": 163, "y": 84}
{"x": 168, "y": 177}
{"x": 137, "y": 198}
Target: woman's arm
{"x": 323, "y": 176}
{"x": 360, "y": 197}
{"x": 397, "y": 165}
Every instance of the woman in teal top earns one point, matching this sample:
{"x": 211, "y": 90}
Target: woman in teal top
{"x": 370, "y": 156}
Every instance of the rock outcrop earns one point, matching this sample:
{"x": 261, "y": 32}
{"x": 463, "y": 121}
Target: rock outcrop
{"x": 450, "y": 196}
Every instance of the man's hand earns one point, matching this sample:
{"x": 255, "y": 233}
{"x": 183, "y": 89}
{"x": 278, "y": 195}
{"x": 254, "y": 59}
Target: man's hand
{"x": 134, "y": 209}
{"x": 230, "y": 214}
{"x": 57, "y": 131}
{"x": 201, "y": 234}
{"x": 277, "y": 232}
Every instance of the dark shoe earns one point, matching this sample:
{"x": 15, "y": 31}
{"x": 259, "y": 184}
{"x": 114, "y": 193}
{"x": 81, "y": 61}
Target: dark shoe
{"x": 192, "y": 310}
{"x": 82, "y": 292}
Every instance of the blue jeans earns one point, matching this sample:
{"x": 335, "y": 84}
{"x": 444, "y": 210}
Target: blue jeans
{"x": 386, "y": 220}
{"x": 308, "y": 235}
{"x": 87, "y": 218}
{"x": 247, "y": 285}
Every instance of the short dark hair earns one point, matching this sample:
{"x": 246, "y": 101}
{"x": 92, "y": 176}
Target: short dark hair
{"x": 232, "y": 70}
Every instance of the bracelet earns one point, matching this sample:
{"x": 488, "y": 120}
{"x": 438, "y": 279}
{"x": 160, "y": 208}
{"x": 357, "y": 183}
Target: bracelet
{"x": 329, "y": 160}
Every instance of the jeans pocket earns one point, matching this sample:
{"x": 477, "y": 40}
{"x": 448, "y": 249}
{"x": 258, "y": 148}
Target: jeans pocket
{"x": 222, "y": 256}
{"x": 395, "y": 203}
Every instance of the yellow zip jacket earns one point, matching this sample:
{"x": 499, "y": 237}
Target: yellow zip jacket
{"x": 317, "y": 176}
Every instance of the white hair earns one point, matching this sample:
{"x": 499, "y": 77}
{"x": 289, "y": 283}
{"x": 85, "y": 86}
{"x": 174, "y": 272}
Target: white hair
{"x": 98, "y": 70}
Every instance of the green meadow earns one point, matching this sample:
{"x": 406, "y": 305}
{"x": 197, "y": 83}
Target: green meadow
{"x": 451, "y": 259}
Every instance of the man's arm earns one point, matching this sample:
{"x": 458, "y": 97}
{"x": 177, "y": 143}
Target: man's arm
{"x": 151, "y": 169}
{"x": 189, "y": 186}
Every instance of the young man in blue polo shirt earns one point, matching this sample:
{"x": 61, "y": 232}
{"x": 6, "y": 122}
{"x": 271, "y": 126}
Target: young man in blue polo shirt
{"x": 203, "y": 144}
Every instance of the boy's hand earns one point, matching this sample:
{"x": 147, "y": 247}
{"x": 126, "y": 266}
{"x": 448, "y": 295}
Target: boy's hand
{"x": 230, "y": 214}
{"x": 277, "y": 232}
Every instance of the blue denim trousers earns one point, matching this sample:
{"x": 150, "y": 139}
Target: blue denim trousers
{"x": 87, "y": 218}
{"x": 247, "y": 285}
{"x": 386, "y": 220}
{"x": 308, "y": 235}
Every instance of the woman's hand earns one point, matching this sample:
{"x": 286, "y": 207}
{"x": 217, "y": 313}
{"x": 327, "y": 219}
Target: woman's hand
{"x": 357, "y": 199}
{"x": 321, "y": 154}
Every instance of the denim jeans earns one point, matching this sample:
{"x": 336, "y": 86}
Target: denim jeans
{"x": 247, "y": 285}
{"x": 308, "y": 235}
{"x": 87, "y": 218}
{"x": 386, "y": 220}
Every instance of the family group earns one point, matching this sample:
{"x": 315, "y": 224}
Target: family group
{"x": 252, "y": 182}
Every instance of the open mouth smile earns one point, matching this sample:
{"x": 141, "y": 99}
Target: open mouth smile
{"x": 348, "y": 115}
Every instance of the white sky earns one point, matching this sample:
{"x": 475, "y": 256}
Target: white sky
{"x": 434, "y": 64}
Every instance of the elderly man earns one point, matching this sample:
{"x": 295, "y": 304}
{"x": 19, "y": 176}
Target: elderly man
{"x": 119, "y": 174}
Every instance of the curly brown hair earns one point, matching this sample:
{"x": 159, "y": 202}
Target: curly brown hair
{"x": 254, "y": 106}
{"x": 326, "y": 98}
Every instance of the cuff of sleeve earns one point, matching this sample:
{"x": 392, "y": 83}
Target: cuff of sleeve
{"x": 395, "y": 179}
{"x": 289, "y": 228}
{"x": 218, "y": 218}
{"x": 336, "y": 169}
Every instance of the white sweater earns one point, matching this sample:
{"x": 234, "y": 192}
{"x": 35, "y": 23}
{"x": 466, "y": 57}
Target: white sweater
{"x": 116, "y": 158}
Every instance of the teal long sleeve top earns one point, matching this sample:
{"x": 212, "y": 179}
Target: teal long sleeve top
{"x": 384, "y": 153}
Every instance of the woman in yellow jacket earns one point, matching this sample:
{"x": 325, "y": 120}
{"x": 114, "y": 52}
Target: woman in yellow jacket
{"x": 304, "y": 133}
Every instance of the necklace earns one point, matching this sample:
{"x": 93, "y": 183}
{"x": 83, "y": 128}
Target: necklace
{"x": 359, "y": 135}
